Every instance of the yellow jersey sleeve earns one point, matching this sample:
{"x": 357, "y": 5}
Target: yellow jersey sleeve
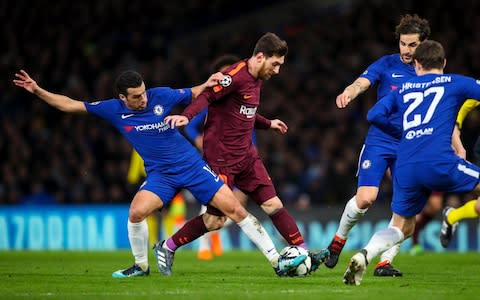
{"x": 136, "y": 170}
{"x": 467, "y": 107}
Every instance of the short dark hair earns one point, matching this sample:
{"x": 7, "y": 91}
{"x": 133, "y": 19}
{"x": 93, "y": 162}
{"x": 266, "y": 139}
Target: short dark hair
{"x": 430, "y": 55}
{"x": 127, "y": 79}
{"x": 271, "y": 45}
{"x": 411, "y": 24}
{"x": 223, "y": 61}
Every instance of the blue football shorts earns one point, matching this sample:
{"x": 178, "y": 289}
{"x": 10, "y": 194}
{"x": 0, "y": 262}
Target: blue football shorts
{"x": 374, "y": 161}
{"x": 198, "y": 178}
{"x": 413, "y": 182}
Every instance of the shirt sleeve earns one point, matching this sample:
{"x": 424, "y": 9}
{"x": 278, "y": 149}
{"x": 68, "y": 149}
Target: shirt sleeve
{"x": 466, "y": 108}
{"x": 374, "y": 71}
{"x": 379, "y": 115}
{"x": 183, "y": 96}
{"x": 102, "y": 109}
{"x": 261, "y": 122}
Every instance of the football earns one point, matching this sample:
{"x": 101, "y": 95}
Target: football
{"x": 304, "y": 268}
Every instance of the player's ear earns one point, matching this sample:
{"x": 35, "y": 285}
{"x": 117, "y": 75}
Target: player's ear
{"x": 260, "y": 56}
{"x": 444, "y": 63}
{"x": 122, "y": 97}
{"x": 417, "y": 65}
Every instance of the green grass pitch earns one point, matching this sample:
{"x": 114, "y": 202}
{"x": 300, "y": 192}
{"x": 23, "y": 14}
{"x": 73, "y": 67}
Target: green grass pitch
{"x": 235, "y": 275}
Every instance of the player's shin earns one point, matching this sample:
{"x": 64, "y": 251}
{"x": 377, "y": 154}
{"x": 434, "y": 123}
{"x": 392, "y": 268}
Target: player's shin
{"x": 193, "y": 229}
{"x": 351, "y": 215}
{"x": 257, "y": 234}
{"x": 287, "y": 227}
{"x": 138, "y": 237}
{"x": 383, "y": 240}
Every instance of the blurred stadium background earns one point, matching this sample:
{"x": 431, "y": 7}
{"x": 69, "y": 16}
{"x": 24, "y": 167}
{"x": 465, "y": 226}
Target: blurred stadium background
{"x": 63, "y": 178}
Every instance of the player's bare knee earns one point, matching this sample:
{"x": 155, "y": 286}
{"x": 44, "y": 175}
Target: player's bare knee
{"x": 365, "y": 201}
{"x": 271, "y": 206}
{"x": 136, "y": 215}
{"x": 213, "y": 222}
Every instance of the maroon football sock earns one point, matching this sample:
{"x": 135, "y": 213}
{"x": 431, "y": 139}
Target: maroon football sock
{"x": 193, "y": 229}
{"x": 287, "y": 227}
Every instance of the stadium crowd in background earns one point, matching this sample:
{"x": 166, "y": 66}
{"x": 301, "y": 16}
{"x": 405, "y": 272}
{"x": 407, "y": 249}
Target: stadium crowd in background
{"x": 48, "y": 156}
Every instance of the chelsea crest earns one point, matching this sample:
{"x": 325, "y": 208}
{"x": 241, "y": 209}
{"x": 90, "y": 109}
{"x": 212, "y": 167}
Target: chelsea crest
{"x": 158, "y": 110}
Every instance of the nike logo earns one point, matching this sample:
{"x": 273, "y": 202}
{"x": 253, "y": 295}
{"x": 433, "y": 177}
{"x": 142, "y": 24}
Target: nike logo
{"x": 396, "y": 75}
{"x": 217, "y": 179}
{"x": 247, "y": 96}
{"x": 127, "y": 116}
{"x": 293, "y": 234}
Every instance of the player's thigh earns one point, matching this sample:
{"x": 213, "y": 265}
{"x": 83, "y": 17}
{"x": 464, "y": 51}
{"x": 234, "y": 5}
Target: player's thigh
{"x": 372, "y": 164}
{"x": 409, "y": 194}
{"x": 241, "y": 196}
{"x": 225, "y": 201}
{"x": 162, "y": 186}
{"x": 143, "y": 204}
{"x": 255, "y": 181}
{"x": 202, "y": 182}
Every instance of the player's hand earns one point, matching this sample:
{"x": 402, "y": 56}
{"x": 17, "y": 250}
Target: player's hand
{"x": 176, "y": 120}
{"x": 25, "y": 81}
{"x": 343, "y": 99}
{"x": 279, "y": 126}
{"x": 214, "y": 79}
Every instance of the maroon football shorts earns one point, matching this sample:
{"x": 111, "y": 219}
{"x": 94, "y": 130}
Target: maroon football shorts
{"x": 249, "y": 176}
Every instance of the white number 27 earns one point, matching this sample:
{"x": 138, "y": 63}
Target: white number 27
{"x": 418, "y": 98}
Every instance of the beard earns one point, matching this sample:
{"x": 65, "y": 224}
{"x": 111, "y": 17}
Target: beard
{"x": 406, "y": 59}
{"x": 263, "y": 74}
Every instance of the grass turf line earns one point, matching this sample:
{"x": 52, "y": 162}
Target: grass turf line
{"x": 235, "y": 275}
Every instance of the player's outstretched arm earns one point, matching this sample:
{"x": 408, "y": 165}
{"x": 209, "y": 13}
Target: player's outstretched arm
{"x": 60, "y": 102}
{"x": 351, "y": 92}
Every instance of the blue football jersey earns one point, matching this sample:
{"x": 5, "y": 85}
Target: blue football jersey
{"x": 428, "y": 106}
{"x": 162, "y": 148}
{"x": 388, "y": 73}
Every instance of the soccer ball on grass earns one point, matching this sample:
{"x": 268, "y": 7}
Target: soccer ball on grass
{"x": 293, "y": 251}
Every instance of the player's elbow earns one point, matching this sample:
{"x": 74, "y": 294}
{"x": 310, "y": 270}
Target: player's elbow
{"x": 372, "y": 117}
{"x": 72, "y": 106}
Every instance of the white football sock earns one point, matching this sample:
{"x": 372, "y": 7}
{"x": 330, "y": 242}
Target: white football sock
{"x": 383, "y": 240}
{"x": 257, "y": 234}
{"x": 204, "y": 240}
{"x": 351, "y": 215}
{"x": 392, "y": 252}
{"x": 138, "y": 237}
